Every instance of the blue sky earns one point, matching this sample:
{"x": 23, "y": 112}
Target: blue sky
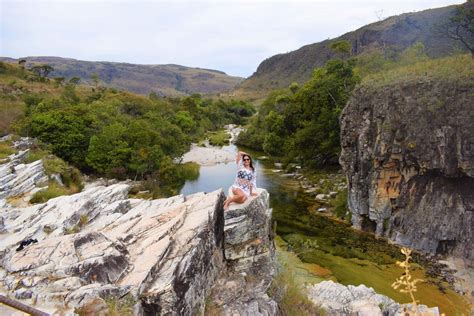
{"x": 232, "y": 36}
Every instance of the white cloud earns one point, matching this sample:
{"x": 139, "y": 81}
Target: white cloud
{"x": 226, "y": 35}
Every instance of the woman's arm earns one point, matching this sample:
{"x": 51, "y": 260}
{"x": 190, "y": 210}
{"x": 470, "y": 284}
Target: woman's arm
{"x": 239, "y": 155}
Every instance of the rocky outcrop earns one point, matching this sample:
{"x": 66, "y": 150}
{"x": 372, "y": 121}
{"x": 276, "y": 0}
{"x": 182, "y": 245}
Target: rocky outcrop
{"x": 167, "y": 254}
{"x": 250, "y": 253}
{"x": 338, "y": 299}
{"x": 17, "y": 177}
{"x": 408, "y": 152}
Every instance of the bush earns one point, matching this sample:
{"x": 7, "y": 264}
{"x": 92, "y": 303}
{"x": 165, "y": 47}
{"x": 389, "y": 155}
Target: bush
{"x": 220, "y": 138}
{"x": 53, "y": 190}
{"x": 6, "y": 149}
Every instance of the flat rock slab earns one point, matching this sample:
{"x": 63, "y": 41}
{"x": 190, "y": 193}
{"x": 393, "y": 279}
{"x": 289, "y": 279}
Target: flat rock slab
{"x": 167, "y": 253}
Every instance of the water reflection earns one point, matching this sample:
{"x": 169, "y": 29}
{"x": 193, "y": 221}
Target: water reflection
{"x": 222, "y": 176}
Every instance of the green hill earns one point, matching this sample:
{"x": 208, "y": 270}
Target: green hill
{"x": 391, "y": 35}
{"x": 169, "y": 80}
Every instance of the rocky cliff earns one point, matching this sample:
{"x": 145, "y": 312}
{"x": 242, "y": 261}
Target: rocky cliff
{"x": 408, "y": 152}
{"x": 167, "y": 255}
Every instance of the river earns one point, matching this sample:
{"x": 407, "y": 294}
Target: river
{"x": 336, "y": 251}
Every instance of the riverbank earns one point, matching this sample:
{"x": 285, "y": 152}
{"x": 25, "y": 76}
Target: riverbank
{"x": 352, "y": 257}
{"x": 208, "y": 155}
{"x": 328, "y": 247}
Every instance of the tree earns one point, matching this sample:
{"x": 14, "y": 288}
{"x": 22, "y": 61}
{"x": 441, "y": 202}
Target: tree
{"x": 95, "y": 79}
{"x": 75, "y": 80}
{"x": 185, "y": 121}
{"x": 59, "y": 81}
{"x": 22, "y": 63}
{"x": 342, "y": 47}
{"x": 460, "y": 27}
{"x": 294, "y": 86}
{"x": 42, "y": 71}
{"x": 108, "y": 151}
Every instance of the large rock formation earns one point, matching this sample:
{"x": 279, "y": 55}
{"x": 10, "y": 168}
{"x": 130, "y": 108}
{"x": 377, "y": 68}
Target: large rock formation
{"x": 167, "y": 254}
{"x": 408, "y": 152}
{"x": 250, "y": 255}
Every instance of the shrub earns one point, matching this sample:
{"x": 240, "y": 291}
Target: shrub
{"x": 53, "y": 190}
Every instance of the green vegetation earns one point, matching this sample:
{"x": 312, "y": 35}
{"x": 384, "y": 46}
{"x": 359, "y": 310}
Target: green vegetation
{"x": 116, "y": 134}
{"x": 218, "y": 138}
{"x": 6, "y": 149}
{"x": 453, "y": 68}
{"x": 460, "y": 26}
{"x": 120, "y": 135}
{"x": 53, "y": 190}
{"x": 287, "y": 287}
{"x": 70, "y": 177}
{"x": 302, "y": 123}
{"x": 339, "y": 203}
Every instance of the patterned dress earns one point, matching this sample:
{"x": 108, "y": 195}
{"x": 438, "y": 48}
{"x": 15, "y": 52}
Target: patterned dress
{"x": 245, "y": 179}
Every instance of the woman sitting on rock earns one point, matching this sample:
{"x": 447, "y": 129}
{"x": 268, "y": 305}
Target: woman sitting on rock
{"x": 245, "y": 182}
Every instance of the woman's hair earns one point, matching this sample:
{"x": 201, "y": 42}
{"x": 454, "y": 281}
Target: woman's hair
{"x": 251, "y": 165}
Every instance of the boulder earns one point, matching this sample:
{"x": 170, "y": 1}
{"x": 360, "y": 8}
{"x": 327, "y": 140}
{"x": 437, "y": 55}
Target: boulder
{"x": 249, "y": 251}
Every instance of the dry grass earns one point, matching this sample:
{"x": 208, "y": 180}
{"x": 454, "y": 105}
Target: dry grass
{"x": 457, "y": 67}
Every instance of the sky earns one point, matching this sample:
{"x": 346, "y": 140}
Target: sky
{"x": 231, "y": 36}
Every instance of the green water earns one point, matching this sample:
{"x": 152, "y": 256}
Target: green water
{"x": 331, "y": 247}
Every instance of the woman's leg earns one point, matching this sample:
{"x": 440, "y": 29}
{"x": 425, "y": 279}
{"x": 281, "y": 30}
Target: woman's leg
{"x": 238, "y": 197}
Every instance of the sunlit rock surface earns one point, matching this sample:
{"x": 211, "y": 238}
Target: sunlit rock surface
{"x": 168, "y": 254}
{"x": 17, "y": 177}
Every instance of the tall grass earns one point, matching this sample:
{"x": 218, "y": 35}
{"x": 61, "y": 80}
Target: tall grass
{"x": 457, "y": 67}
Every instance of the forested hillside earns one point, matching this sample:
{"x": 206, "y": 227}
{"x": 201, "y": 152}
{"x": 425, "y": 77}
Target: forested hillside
{"x": 106, "y": 132}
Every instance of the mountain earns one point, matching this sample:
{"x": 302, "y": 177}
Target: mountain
{"x": 170, "y": 80}
{"x": 392, "y": 34}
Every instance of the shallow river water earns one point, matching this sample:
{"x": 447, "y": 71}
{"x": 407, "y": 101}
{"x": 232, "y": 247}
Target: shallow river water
{"x": 335, "y": 250}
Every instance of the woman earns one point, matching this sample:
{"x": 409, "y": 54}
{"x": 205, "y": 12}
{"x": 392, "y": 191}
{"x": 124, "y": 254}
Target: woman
{"x": 245, "y": 182}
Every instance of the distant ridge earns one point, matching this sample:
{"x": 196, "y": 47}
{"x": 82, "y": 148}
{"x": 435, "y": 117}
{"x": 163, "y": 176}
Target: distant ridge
{"x": 396, "y": 32}
{"x": 168, "y": 79}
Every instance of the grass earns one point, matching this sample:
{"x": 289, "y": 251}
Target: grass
{"x": 120, "y": 306}
{"x": 36, "y": 154}
{"x": 339, "y": 204}
{"x": 111, "y": 306}
{"x": 288, "y": 285}
{"x": 70, "y": 176}
{"x": 356, "y": 271}
{"x": 53, "y": 190}
{"x": 6, "y": 149}
{"x": 457, "y": 67}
